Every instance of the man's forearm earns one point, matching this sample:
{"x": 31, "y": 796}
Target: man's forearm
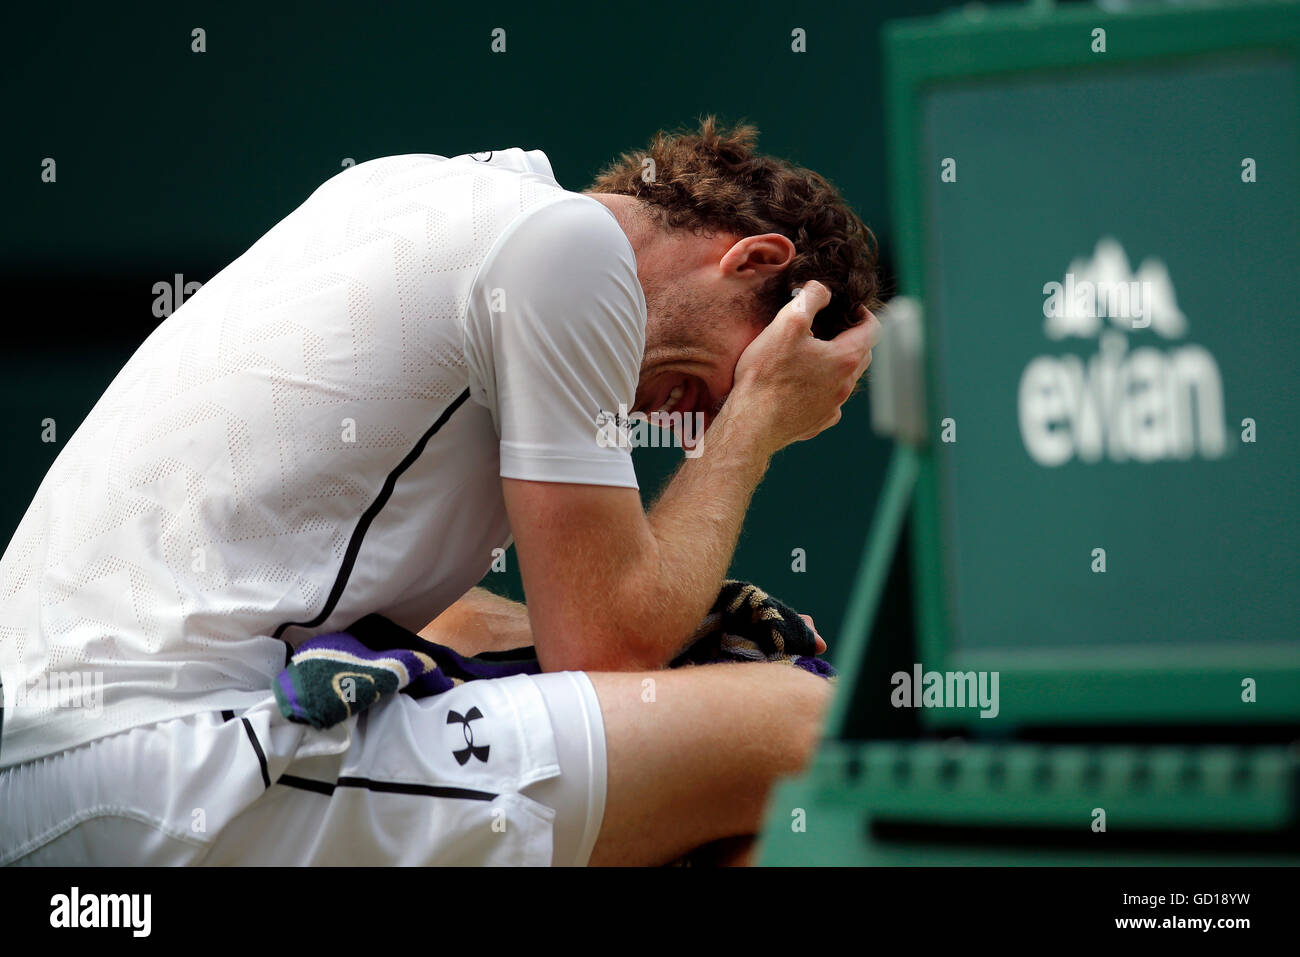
{"x": 697, "y": 520}
{"x": 481, "y": 621}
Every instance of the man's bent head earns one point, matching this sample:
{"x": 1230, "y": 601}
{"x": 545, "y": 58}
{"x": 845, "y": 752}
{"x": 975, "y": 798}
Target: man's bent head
{"x": 723, "y": 236}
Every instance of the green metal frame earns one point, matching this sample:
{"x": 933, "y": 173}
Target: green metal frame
{"x": 869, "y": 585}
{"x": 1174, "y": 684}
{"x": 1214, "y": 799}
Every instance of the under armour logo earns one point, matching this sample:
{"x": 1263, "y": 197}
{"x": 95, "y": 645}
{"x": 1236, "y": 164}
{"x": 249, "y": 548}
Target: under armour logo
{"x": 463, "y": 754}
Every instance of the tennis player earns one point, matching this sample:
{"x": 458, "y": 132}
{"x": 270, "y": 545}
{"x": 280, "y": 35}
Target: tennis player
{"x": 403, "y": 376}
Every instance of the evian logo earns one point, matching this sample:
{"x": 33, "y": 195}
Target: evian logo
{"x": 1144, "y": 404}
{"x": 1105, "y": 287}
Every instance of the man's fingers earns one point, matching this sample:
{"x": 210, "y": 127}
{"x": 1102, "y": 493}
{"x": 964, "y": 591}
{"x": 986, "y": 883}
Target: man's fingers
{"x": 862, "y": 366}
{"x": 862, "y": 337}
{"x": 820, "y": 642}
{"x": 811, "y": 298}
{"x": 865, "y": 336}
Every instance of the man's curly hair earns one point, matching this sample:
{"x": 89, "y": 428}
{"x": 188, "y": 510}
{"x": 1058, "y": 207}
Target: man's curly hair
{"x": 712, "y": 181}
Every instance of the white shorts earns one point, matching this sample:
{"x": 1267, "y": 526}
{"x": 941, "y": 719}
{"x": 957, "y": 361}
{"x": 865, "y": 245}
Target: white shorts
{"x": 507, "y": 771}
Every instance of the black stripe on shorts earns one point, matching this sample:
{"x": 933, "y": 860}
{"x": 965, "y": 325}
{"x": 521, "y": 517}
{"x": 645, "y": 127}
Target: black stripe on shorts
{"x": 261, "y": 755}
{"x": 384, "y": 787}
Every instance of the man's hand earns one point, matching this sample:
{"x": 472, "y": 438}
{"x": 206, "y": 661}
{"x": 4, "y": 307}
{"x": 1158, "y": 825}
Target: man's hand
{"x": 795, "y": 384}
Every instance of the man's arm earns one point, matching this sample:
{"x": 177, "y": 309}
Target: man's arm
{"x": 611, "y": 588}
{"x": 481, "y": 621}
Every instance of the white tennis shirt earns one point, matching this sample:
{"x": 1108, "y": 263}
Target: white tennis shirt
{"x": 317, "y": 434}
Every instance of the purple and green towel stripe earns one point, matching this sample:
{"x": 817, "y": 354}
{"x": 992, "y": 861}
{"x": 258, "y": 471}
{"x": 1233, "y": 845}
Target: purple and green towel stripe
{"x": 332, "y": 677}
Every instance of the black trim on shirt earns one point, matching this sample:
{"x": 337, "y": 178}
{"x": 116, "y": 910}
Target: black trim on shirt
{"x": 368, "y": 516}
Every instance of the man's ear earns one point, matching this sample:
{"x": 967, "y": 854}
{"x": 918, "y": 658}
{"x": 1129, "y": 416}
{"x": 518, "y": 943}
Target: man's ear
{"x": 758, "y": 257}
